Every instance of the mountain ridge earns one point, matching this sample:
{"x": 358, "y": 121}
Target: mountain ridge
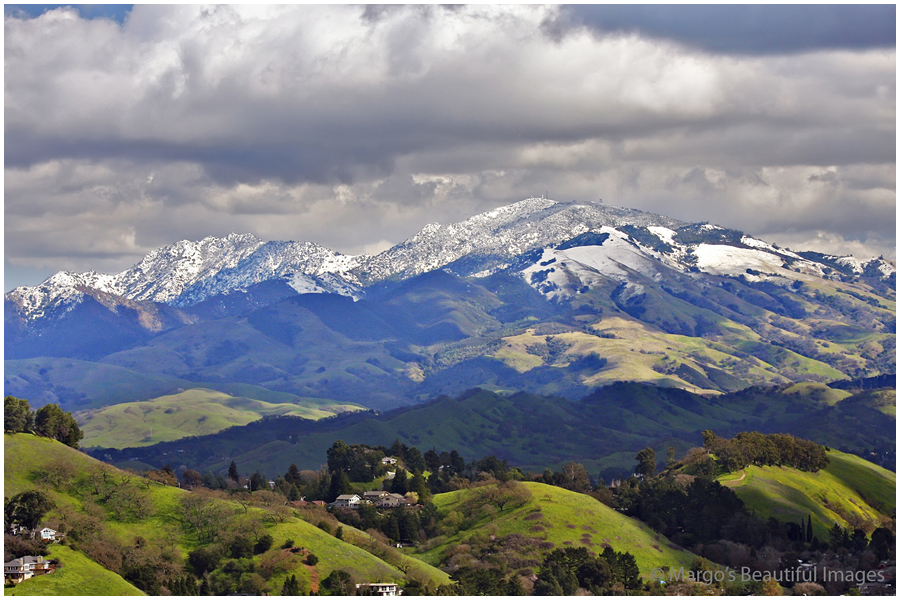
{"x": 606, "y": 294}
{"x": 187, "y": 273}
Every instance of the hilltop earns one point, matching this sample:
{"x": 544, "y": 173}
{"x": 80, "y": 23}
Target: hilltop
{"x": 193, "y": 412}
{"x": 850, "y": 492}
{"x": 557, "y": 517}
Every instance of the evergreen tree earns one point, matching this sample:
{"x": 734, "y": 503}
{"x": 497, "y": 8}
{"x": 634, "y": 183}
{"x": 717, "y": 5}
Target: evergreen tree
{"x": 339, "y": 457}
{"x": 258, "y": 482}
{"x": 291, "y": 587}
{"x": 809, "y": 529}
{"x": 293, "y": 475}
{"x": 397, "y": 450}
{"x": 414, "y": 460}
{"x": 398, "y": 483}
{"x": 457, "y": 462}
{"x": 646, "y": 459}
{"x": 417, "y": 485}
{"x": 294, "y": 493}
{"x": 390, "y": 526}
{"x": 233, "y": 472}
{"x": 340, "y": 484}
{"x": 631, "y": 574}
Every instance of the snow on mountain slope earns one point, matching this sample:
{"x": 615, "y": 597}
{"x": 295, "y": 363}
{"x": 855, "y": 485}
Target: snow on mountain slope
{"x": 730, "y": 260}
{"x": 187, "y": 273}
{"x": 303, "y": 264}
{"x": 501, "y": 234}
{"x": 563, "y": 273}
{"x": 166, "y": 273}
{"x": 161, "y": 276}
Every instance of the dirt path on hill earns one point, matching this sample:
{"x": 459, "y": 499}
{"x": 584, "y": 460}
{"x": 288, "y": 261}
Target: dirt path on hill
{"x": 313, "y": 579}
{"x": 735, "y": 482}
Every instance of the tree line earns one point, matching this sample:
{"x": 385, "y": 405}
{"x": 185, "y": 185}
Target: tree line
{"x": 754, "y": 448}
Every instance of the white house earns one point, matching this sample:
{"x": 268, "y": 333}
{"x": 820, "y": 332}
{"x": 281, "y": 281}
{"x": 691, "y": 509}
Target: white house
{"x": 389, "y": 460}
{"x": 49, "y": 535}
{"x": 378, "y": 589}
{"x": 347, "y": 501}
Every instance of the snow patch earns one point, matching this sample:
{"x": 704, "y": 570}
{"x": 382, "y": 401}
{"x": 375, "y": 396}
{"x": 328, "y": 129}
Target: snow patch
{"x": 664, "y": 233}
{"x": 729, "y": 260}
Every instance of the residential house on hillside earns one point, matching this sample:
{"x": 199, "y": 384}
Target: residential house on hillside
{"x": 50, "y": 535}
{"x": 26, "y": 567}
{"x": 391, "y": 501}
{"x": 378, "y": 589}
{"x": 347, "y": 501}
{"x": 389, "y": 460}
{"x": 374, "y": 496}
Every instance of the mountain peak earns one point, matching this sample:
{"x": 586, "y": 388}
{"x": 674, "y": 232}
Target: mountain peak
{"x": 188, "y": 272}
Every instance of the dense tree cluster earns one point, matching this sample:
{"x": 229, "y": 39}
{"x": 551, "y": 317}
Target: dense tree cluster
{"x": 566, "y": 570}
{"x": 688, "y": 514}
{"x": 754, "y": 448}
{"x": 49, "y": 421}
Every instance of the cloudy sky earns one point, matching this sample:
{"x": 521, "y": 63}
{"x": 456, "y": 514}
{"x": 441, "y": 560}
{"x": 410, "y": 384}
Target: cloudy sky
{"x": 129, "y": 128}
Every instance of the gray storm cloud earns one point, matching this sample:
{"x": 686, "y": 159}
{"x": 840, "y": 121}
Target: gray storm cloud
{"x": 354, "y": 126}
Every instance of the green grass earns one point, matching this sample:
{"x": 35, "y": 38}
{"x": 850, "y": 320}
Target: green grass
{"x": 197, "y": 411}
{"x": 77, "y": 576}
{"x": 26, "y": 453}
{"x": 850, "y": 492}
{"x": 568, "y": 519}
{"x": 818, "y": 392}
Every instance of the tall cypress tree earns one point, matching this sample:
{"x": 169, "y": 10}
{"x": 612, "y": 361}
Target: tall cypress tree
{"x": 233, "y": 472}
{"x": 809, "y": 532}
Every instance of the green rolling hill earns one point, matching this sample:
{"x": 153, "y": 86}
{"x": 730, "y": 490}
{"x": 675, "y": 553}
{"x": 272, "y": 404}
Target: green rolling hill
{"x": 192, "y": 412}
{"x": 77, "y": 576}
{"x": 603, "y": 431}
{"x": 95, "y": 520}
{"x": 850, "y": 491}
{"x": 560, "y": 518}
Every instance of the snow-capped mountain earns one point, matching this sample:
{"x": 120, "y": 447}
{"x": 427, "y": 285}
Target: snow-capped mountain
{"x": 307, "y": 267}
{"x": 187, "y": 273}
{"x": 488, "y": 241}
{"x": 542, "y": 296}
{"x": 161, "y": 276}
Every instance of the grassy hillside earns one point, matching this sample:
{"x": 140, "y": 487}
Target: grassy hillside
{"x": 604, "y": 431}
{"x": 850, "y": 491}
{"x": 77, "y": 576}
{"x": 197, "y": 411}
{"x": 564, "y": 519}
{"x": 69, "y": 477}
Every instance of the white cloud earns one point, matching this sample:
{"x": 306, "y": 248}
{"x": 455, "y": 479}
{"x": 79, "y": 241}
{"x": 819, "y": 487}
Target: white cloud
{"x": 351, "y": 125}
